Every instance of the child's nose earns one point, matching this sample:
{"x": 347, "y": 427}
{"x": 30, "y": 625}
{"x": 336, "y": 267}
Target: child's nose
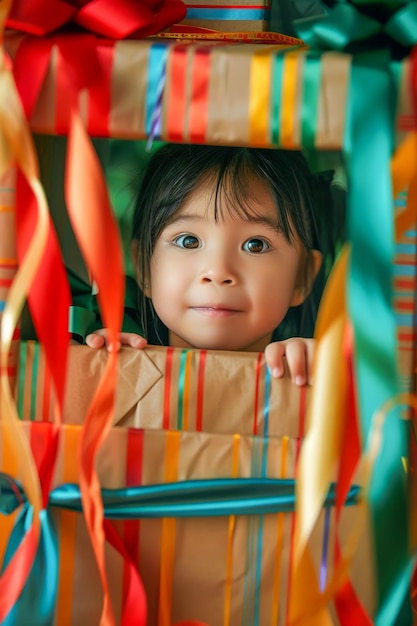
{"x": 219, "y": 273}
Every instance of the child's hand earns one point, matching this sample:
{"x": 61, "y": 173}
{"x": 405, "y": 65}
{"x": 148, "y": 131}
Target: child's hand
{"x": 299, "y": 354}
{"x": 98, "y": 339}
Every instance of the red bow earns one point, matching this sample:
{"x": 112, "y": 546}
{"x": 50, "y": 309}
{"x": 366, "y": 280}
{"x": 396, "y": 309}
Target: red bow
{"x": 114, "y": 19}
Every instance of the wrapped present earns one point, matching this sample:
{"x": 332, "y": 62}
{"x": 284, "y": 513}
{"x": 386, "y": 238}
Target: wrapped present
{"x": 224, "y": 568}
{"x": 216, "y": 92}
{"x": 228, "y": 16}
{"x": 167, "y": 388}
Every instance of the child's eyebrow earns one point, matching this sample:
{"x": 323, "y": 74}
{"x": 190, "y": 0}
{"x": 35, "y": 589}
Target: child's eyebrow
{"x": 263, "y": 220}
{"x": 186, "y": 217}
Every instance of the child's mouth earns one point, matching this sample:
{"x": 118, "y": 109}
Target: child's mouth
{"x": 215, "y": 311}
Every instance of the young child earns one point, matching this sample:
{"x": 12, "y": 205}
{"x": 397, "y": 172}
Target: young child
{"x": 226, "y": 249}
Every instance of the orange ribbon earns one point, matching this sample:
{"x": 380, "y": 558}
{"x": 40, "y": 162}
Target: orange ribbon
{"x": 96, "y": 231}
{"x": 18, "y": 148}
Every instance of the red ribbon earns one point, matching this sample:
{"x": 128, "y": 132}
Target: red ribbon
{"x": 73, "y": 74}
{"x": 349, "y": 608}
{"x": 114, "y": 19}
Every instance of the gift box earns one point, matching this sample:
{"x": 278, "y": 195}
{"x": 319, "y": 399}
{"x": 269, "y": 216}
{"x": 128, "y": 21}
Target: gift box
{"x": 228, "y": 16}
{"x": 189, "y": 422}
{"x": 215, "y": 92}
{"x": 166, "y": 388}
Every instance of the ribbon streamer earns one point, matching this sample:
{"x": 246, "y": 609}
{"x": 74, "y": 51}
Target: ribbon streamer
{"x": 17, "y": 146}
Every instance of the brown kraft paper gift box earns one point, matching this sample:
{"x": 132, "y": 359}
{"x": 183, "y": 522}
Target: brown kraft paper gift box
{"x": 196, "y": 415}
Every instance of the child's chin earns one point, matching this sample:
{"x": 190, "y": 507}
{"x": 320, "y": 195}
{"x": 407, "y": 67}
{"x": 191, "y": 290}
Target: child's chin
{"x": 215, "y": 344}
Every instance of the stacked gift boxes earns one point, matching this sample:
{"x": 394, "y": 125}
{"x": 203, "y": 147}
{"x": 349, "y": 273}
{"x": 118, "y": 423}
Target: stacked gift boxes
{"x": 225, "y": 92}
{"x": 225, "y": 418}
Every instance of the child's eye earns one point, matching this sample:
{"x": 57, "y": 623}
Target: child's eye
{"x": 255, "y": 246}
{"x": 187, "y": 241}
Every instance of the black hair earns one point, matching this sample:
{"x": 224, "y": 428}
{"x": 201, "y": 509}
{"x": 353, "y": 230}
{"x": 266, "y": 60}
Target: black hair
{"x": 176, "y": 170}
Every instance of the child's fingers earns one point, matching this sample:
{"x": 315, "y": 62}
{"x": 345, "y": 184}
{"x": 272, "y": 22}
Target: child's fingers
{"x": 274, "y": 356}
{"x": 297, "y": 360}
{"x": 95, "y": 340}
{"x": 133, "y": 340}
{"x": 298, "y": 353}
{"x": 99, "y": 338}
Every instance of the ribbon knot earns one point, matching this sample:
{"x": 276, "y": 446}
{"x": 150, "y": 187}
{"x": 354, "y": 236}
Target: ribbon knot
{"x": 362, "y": 25}
{"x": 113, "y": 19}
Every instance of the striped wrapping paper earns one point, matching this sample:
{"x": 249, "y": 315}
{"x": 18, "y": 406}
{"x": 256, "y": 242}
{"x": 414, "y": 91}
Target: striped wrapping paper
{"x": 169, "y": 388}
{"x": 232, "y": 570}
{"x": 213, "y": 92}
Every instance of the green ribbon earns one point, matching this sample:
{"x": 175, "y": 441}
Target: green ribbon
{"x": 84, "y": 314}
{"x": 310, "y": 100}
{"x": 361, "y": 25}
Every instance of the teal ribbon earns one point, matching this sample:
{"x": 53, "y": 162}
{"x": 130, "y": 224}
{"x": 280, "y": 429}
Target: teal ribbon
{"x": 361, "y": 25}
{"x": 374, "y": 33}
{"x": 235, "y": 13}
{"x": 37, "y": 602}
{"x": 276, "y": 88}
{"x": 310, "y": 100}
{"x": 190, "y": 498}
{"x": 368, "y": 149}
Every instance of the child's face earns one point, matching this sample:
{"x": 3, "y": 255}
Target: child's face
{"x": 224, "y": 285}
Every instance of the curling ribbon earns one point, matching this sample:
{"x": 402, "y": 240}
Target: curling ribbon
{"x": 94, "y": 225}
{"x": 114, "y": 19}
{"x": 348, "y": 606}
{"x": 49, "y": 300}
{"x": 17, "y": 146}
{"x": 315, "y": 471}
{"x": 96, "y": 231}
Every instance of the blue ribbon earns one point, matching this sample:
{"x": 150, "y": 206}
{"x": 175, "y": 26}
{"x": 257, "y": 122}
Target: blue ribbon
{"x": 240, "y": 13}
{"x": 190, "y": 498}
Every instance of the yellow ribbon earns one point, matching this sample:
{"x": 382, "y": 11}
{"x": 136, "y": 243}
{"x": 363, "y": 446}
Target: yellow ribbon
{"x": 260, "y": 95}
{"x": 321, "y": 447}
